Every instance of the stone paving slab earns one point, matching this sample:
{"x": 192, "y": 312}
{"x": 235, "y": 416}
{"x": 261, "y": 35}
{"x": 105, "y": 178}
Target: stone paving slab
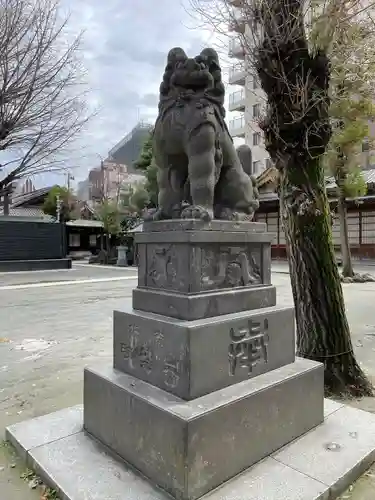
{"x": 56, "y": 425}
{"x": 77, "y": 273}
{"x": 318, "y": 466}
{"x": 336, "y": 453}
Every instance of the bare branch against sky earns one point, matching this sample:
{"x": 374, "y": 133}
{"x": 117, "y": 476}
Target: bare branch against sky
{"x": 42, "y": 89}
{"x": 321, "y": 20}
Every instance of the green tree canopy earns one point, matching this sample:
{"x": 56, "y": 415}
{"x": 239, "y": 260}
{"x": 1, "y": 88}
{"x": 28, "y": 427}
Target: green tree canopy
{"x": 147, "y": 165}
{"x": 145, "y": 158}
{"x": 67, "y": 200}
{"x": 351, "y": 93}
{"x": 110, "y": 214}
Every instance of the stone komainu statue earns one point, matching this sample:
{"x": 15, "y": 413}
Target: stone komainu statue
{"x": 200, "y": 175}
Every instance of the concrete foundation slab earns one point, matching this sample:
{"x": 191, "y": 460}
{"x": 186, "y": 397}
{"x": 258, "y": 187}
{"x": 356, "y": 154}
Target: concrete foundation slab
{"x": 175, "y": 442}
{"x": 80, "y": 468}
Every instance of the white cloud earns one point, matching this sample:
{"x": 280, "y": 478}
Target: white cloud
{"x": 124, "y": 50}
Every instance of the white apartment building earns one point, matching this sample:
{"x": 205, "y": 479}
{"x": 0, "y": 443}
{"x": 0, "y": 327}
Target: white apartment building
{"x": 248, "y": 99}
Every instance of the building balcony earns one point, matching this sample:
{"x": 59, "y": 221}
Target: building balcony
{"x": 237, "y": 22}
{"x": 237, "y": 101}
{"x": 237, "y": 74}
{"x": 237, "y": 127}
{"x": 236, "y": 48}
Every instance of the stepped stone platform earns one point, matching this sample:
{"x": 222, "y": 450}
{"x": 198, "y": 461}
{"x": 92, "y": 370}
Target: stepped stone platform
{"x": 205, "y": 398}
{"x": 317, "y": 466}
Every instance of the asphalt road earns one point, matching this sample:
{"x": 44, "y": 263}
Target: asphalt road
{"x": 53, "y": 324}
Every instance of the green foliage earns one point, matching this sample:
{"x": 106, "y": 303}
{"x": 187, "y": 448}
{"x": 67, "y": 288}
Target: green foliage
{"x": 146, "y": 164}
{"x": 145, "y": 158}
{"x": 140, "y": 199}
{"x": 152, "y": 184}
{"x": 110, "y": 214}
{"x": 134, "y": 199}
{"x": 68, "y": 203}
{"x": 354, "y": 184}
{"x": 352, "y": 92}
{"x": 129, "y": 222}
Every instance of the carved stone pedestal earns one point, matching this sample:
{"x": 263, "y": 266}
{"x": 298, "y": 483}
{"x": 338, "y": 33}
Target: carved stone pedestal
{"x": 204, "y": 382}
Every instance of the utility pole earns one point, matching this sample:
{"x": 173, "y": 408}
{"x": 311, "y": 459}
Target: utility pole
{"x": 58, "y": 208}
{"x": 70, "y": 177}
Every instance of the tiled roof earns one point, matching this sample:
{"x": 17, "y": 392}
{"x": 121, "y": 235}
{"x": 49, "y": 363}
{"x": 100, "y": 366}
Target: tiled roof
{"x": 25, "y": 198}
{"x": 85, "y": 223}
{"x": 32, "y": 212}
{"x": 368, "y": 175}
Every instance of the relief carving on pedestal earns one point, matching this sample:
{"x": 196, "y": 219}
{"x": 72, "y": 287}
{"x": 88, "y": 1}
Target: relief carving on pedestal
{"x": 162, "y": 268}
{"x": 228, "y": 268}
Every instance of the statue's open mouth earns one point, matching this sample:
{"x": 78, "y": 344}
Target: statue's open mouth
{"x": 192, "y": 75}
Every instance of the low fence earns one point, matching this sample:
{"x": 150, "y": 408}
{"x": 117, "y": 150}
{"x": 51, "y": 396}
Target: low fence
{"x": 22, "y": 239}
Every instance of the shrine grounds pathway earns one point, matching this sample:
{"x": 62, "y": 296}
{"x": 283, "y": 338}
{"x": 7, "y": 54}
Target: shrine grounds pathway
{"x": 54, "y": 323}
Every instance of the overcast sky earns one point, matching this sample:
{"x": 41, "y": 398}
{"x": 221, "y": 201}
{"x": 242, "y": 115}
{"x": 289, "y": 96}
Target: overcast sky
{"x": 125, "y": 46}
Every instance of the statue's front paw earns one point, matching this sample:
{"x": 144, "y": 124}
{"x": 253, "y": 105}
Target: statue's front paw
{"x": 197, "y": 212}
{"x": 153, "y": 215}
{"x": 233, "y": 215}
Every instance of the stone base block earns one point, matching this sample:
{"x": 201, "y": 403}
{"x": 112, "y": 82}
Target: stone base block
{"x": 201, "y": 225}
{"x": 307, "y": 469}
{"x": 34, "y": 265}
{"x": 203, "y": 305}
{"x": 193, "y": 358}
{"x": 189, "y": 448}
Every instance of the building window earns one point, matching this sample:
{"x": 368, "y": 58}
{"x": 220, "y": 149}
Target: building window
{"x": 256, "y": 111}
{"x": 74, "y": 240}
{"x": 92, "y": 240}
{"x": 257, "y": 166}
{"x": 256, "y": 139}
{"x": 255, "y": 82}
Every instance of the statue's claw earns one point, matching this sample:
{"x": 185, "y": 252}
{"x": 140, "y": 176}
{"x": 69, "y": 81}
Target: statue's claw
{"x": 153, "y": 215}
{"x": 197, "y": 212}
{"x": 233, "y": 215}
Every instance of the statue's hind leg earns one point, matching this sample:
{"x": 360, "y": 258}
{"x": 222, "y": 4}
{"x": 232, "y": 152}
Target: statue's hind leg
{"x": 200, "y": 151}
{"x": 236, "y": 192}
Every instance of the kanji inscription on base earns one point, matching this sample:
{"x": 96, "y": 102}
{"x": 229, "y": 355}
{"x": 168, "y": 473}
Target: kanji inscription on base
{"x": 248, "y": 346}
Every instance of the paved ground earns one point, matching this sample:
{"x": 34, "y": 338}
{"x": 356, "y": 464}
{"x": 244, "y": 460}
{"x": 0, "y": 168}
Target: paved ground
{"x": 54, "y": 323}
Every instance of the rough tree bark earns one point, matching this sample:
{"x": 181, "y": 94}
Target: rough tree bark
{"x": 6, "y": 204}
{"x": 323, "y": 330}
{"x": 297, "y": 131}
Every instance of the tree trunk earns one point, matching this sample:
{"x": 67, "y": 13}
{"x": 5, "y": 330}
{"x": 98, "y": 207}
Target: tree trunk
{"x": 322, "y": 329}
{"x": 6, "y": 202}
{"x": 347, "y": 266}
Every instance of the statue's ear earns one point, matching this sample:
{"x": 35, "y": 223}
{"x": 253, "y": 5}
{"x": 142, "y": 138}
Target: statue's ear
{"x": 176, "y": 54}
{"x": 210, "y": 54}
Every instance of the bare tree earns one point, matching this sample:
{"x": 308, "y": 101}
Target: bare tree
{"x": 289, "y": 44}
{"x": 42, "y": 95}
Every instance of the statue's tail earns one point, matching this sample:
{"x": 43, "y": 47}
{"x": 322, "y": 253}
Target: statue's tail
{"x": 255, "y": 202}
